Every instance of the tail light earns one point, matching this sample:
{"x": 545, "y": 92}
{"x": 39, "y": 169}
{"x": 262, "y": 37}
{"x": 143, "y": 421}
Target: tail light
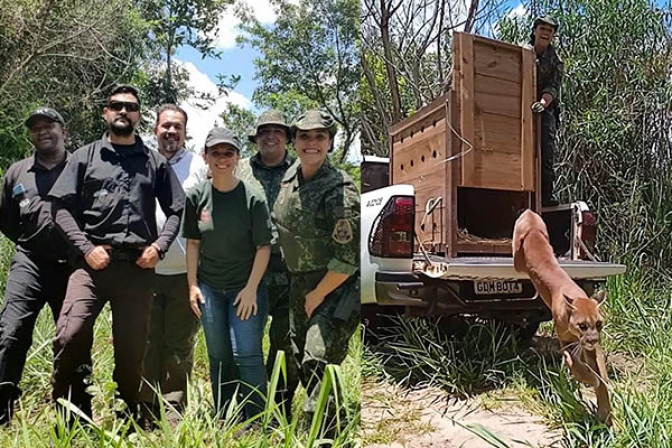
{"x": 588, "y": 233}
{"x": 392, "y": 235}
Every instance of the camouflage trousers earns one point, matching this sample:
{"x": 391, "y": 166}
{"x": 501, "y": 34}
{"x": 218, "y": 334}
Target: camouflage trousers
{"x": 548, "y": 145}
{"x": 277, "y": 284}
{"x": 322, "y": 339}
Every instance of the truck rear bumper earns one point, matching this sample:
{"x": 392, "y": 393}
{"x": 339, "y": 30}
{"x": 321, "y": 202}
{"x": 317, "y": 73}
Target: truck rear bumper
{"x": 433, "y": 297}
{"x": 484, "y": 268}
{"x": 453, "y": 290}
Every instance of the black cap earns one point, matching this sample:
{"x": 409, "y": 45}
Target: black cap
{"x": 124, "y": 88}
{"x": 219, "y": 135}
{"x": 45, "y": 112}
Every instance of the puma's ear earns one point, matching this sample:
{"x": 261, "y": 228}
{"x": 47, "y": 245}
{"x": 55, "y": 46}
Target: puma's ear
{"x": 569, "y": 301}
{"x": 600, "y": 297}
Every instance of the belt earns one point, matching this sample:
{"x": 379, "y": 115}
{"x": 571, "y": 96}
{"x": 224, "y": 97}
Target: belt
{"x": 124, "y": 254}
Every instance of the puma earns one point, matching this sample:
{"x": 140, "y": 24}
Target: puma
{"x": 576, "y": 317}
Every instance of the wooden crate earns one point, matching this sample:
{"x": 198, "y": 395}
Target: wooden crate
{"x": 495, "y": 82}
{"x": 479, "y": 190}
{"x": 421, "y": 144}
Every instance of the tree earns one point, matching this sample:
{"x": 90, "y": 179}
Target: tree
{"x": 173, "y": 24}
{"x": 241, "y": 121}
{"x": 310, "y": 57}
{"x": 406, "y": 60}
{"x": 65, "y": 54}
{"x": 614, "y": 140}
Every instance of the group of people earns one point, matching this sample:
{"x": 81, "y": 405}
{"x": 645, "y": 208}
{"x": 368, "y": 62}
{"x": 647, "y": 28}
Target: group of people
{"x": 172, "y": 238}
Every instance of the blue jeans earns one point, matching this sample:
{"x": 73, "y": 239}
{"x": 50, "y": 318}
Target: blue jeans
{"x": 234, "y": 348}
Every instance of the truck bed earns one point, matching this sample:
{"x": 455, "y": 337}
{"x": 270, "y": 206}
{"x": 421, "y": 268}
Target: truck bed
{"x": 484, "y": 268}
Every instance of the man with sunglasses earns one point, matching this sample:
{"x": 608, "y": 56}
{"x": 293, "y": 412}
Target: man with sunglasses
{"x": 265, "y": 171}
{"x": 39, "y": 271}
{"x": 105, "y": 203}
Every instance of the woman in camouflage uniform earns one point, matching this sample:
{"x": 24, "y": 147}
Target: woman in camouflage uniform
{"x": 317, "y": 214}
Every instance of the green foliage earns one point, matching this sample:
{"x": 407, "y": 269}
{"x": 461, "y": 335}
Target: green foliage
{"x": 310, "y": 58}
{"x": 241, "y": 121}
{"x": 173, "y": 24}
{"x": 66, "y": 55}
{"x": 614, "y": 140}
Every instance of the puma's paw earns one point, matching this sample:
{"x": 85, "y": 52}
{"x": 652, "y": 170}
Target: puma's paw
{"x": 568, "y": 359}
{"x": 604, "y": 415}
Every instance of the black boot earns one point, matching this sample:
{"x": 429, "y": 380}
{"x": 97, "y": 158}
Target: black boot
{"x": 6, "y": 411}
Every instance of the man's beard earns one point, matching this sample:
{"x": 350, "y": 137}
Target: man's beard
{"x": 170, "y": 148}
{"x": 121, "y": 129}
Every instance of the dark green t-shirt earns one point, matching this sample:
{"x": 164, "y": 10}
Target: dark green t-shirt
{"x": 230, "y": 226}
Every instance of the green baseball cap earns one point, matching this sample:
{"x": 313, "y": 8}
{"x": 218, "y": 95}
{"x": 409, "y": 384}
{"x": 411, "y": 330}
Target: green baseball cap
{"x": 548, "y": 20}
{"x": 270, "y": 117}
{"x": 315, "y": 119}
{"x": 218, "y": 136}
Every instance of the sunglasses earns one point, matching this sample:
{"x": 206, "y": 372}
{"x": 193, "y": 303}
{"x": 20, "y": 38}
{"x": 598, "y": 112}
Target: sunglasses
{"x": 117, "y": 106}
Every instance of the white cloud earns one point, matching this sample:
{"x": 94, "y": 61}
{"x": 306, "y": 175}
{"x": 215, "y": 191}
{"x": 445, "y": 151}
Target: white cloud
{"x": 202, "y": 120}
{"x": 518, "y": 11}
{"x": 228, "y": 30}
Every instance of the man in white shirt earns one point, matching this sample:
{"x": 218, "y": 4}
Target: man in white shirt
{"x": 173, "y": 326}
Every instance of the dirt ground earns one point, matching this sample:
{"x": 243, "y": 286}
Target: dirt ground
{"x": 397, "y": 418}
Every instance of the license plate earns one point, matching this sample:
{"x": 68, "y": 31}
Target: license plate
{"x": 494, "y": 287}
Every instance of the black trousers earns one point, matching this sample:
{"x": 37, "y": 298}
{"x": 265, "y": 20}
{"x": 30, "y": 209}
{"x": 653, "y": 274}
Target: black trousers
{"x": 129, "y": 290}
{"x": 31, "y": 284}
{"x": 549, "y": 129}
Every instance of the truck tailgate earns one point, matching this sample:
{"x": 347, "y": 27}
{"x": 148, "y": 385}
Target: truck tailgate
{"x": 483, "y": 268}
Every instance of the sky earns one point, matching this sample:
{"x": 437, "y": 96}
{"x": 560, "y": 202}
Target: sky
{"x": 236, "y": 60}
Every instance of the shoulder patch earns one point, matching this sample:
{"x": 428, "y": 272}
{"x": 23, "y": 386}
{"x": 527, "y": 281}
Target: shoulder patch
{"x": 342, "y": 233}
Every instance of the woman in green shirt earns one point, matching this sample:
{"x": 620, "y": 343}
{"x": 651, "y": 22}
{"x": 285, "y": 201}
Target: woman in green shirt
{"x": 228, "y": 231}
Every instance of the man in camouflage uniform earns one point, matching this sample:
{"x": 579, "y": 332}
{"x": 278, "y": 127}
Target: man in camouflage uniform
{"x": 265, "y": 171}
{"x": 549, "y": 78}
{"x": 317, "y": 215}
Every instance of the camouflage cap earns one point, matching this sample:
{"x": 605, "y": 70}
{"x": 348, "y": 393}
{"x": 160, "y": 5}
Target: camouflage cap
{"x": 270, "y": 117}
{"x": 315, "y": 119}
{"x": 44, "y": 112}
{"x": 548, "y": 20}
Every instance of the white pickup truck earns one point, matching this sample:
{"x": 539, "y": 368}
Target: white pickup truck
{"x": 396, "y": 273}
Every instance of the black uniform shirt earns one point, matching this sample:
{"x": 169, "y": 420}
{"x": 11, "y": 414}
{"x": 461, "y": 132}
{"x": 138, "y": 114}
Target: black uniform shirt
{"x": 111, "y": 191}
{"x": 25, "y": 212}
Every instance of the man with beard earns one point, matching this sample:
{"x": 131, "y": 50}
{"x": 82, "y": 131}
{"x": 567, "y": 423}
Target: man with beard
{"x": 105, "y": 203}
{"x": 173, "y": 326}
{"x": 39, "y": 271}
{"x": 265, "y": 171}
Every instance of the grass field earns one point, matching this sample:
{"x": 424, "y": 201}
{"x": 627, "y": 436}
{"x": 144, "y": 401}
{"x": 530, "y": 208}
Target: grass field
{"x": 485, "y": 361}
{"x": 36, "y": 423}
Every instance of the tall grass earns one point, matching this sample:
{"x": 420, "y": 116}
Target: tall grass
{"x": 486, "y": 357}
{"x": 36, "y": 423}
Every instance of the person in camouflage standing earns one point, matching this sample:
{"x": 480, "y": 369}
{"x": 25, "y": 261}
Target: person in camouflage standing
{"x": 265, "y": 171}
{"x": 549, "y": 78}
{"x": 317, "y": 216}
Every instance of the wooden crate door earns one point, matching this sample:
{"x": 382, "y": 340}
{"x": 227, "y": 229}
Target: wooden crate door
{"x": 495, "y": 88}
